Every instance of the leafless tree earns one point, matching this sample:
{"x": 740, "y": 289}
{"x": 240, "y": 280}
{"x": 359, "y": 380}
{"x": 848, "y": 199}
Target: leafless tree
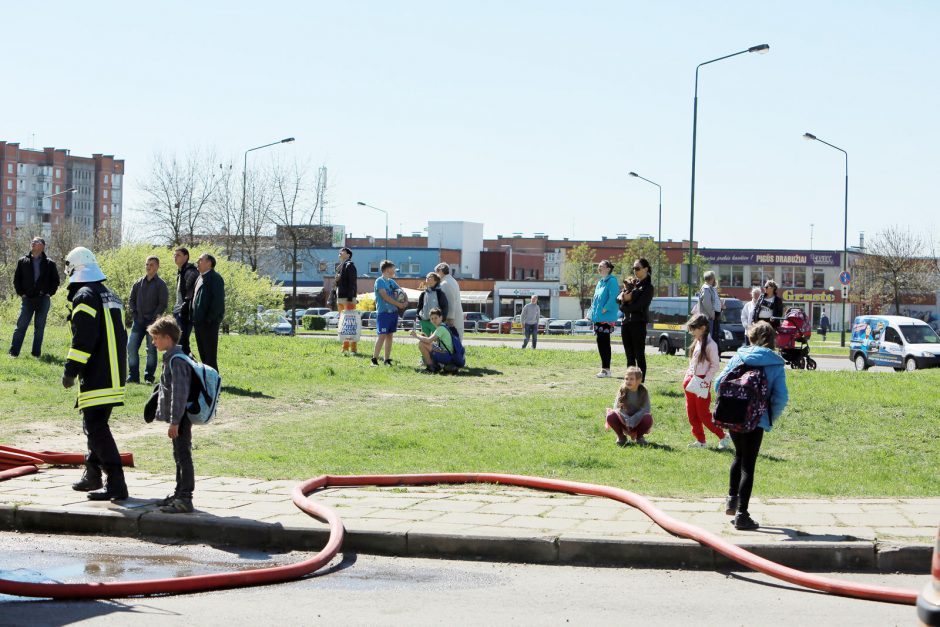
{"x": 898, "y": 263}
{"x": 177, "y": 193}
{"x": 298, "y": 195}
{"x": 254, "y": 223}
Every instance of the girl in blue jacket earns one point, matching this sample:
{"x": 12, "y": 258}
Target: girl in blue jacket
{"x": 759, "y": 354}
{"x": 604, "y": 311}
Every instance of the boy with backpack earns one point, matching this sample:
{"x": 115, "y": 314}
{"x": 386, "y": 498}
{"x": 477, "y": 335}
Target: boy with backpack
{"x": 752, "y": 393}
{"x": 442, "y": 347}
{"x": 172, "y": 400}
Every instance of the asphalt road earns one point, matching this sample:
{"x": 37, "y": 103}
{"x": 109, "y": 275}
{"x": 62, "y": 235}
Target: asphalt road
{"x": 371, "y": 590}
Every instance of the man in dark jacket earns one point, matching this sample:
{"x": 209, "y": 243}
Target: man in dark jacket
{"x": 148, "y": 300}
{"x": 97, "y": 358}
{"x": 186, "y": 276}
{"x": 208, "y": 310}
{"x": 35, "y": 280}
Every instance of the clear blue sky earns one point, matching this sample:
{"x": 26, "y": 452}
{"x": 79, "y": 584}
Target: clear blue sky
{"x": 526, "y": 116}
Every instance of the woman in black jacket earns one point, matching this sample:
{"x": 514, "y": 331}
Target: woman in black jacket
{"x": 635, "y": 304}
{"x": 346, "y": 291}
{"x": 769, "y": 307}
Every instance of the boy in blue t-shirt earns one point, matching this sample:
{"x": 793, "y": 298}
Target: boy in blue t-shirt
{"x": 387, "y": 308}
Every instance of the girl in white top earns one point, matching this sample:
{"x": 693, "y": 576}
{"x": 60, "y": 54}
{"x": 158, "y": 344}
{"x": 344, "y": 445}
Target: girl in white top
{"x": 703, "y": 366}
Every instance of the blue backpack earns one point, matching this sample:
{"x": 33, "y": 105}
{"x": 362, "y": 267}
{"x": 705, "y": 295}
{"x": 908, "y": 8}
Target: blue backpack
{"x": 459, "y": 356}
{"x": 742, "y": 399}
{"x": 205, "y": 386}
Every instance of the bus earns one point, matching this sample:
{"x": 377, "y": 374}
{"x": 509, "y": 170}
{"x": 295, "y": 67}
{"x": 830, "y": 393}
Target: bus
{"x": 668, "y": 315}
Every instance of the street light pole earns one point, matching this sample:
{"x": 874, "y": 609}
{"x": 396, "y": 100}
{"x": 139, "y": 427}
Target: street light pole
{"x": 845, "y": 224}
{"x": 659, "y": 231}
{"x": 762, "y": 48}
{"x": 286, "y": 140}
{"x": 386, "y": 222}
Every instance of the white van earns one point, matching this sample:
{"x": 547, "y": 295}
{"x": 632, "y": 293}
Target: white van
{"x": 894, "y": 341}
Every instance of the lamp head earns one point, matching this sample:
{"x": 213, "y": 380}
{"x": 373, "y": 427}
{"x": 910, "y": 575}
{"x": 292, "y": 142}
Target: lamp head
{"x": 361, "y": 203}
{"x": 762, "y": 49}
{"x": 809, "y": 136}
{"x": 287, "y": 140}
{"x": 634, "y": 174}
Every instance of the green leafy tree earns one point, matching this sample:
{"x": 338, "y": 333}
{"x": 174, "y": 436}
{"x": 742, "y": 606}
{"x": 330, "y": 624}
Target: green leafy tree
{"x": 580, "y": 273}
{"x": 661, "y": 275}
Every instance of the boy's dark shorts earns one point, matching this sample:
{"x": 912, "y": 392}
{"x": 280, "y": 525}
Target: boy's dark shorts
{"x": 386, "y": 322}
{"x": 440, "y": 355}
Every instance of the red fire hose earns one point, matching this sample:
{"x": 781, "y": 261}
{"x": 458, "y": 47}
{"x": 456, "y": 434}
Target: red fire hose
{"x": 299, "y": 496}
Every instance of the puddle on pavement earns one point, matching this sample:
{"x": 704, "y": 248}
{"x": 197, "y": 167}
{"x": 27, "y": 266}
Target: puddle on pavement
{"x": 65, "y": 568}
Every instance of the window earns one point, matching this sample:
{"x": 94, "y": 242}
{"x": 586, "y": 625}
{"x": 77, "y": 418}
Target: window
{"x": 799, "y": 276}
{"x": 105, "y": 193}
{"x": 9, "y": 168}
{"x": 410, "y": 268}
{"x": 58, "y": 173}
{"x": 892, "y": 336}
{"x": 321, "y": 267}
{"x": 58, "y": 189}
{"x": 106, "y": 179}
{"x": 10, "y": 184}
{"x": 819, "y": 278}
{"x": 736, "y": 276}
{"x": 57, "y": 204}
{"x": 373, "y": 266}
{"x": 299, "y": 266}
{"x": 786, "y": 276}
{"x": 104, "y": 209}
{"x": 9, "y": 216}
{"x": 9, "y": 201}
{"x": 761, "y": 274}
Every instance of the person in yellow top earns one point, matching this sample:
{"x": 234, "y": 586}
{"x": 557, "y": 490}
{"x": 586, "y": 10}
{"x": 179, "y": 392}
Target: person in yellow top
{"x": 98, "y": 359}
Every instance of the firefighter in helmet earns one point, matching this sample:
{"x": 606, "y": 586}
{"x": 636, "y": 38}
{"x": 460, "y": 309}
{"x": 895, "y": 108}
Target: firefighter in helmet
{"x": 97, "y": 357}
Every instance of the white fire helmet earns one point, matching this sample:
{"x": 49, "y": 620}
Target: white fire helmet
{"x": 82, "y": 267}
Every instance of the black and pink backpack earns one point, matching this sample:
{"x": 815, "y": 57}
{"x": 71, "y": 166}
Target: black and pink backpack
{"x": 742, "y": 399}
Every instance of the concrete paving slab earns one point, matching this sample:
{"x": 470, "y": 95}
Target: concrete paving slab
{"x": 547, "y": 524}
{"x": 514, "y": 509}
{"x": 582, "y": 512}
{"x": 450, "y": 506}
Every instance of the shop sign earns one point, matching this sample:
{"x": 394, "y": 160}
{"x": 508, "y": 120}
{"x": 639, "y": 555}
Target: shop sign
{"x": 769, "y": 257}
{"x": 508, "y": 292}
{"x": 794, "y": 296}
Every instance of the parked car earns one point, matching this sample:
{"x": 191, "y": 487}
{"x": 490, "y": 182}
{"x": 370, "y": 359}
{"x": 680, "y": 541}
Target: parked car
{"x": 475, "y": 321}
{"x": 368, "y": 319}
{"x": 668, "y": 315}
{"x": 582, "y": 327}
{"x": 332, "y": 319}
{"x": 503, "y": 324}
{"x": 517, "y": 324}
{"x": 273, "y": 321}
{"x": 898, "y": 342}
{"x": 560, "y": 327}
{"x": 316, "y": 311}
{"x": 408, "y": 319}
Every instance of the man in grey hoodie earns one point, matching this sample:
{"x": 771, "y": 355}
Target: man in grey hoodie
{"x": 530, "y": 322}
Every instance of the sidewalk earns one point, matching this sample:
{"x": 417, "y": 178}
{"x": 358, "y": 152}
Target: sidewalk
{"x": 500, "y": 523}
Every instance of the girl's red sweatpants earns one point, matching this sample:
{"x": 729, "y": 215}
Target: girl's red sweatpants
{"x": 699, "y": 412}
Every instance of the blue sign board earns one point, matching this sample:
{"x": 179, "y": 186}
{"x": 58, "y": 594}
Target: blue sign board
{"x": 845, "y": 278}
{"x": 716, "y": 256}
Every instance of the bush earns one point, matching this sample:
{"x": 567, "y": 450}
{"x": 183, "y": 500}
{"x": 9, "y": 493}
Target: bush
{"x": 314, "y": 323}
{"x": 366, "y": 303}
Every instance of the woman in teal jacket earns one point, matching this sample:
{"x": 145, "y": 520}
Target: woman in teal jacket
{"x": 604, "y": 312}
{"x": 760, "y": 354}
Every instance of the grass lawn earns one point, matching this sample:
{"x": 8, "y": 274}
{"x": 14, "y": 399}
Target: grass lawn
{"x": 294, "y": 408}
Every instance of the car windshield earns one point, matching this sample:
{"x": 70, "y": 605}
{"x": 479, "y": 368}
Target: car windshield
{"x": 919, "y": 334}
{"x": 731, "y": 314}
{"x": 272, "y": 317}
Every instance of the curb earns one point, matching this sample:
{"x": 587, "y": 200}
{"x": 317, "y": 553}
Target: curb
{"x": 853, "y": 556}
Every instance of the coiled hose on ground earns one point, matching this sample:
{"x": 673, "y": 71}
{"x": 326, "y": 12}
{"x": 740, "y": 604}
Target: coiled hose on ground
{"x": 326, "y": 514}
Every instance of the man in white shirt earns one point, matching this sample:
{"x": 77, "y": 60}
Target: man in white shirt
{"x": 747, "y": 312}
{"x": 452, "y": 292}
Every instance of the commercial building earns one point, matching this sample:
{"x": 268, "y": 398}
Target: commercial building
{"x": 34, "y": 192}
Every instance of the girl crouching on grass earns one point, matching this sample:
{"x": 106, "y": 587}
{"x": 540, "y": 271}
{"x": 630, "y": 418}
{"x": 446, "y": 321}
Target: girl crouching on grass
{"x": 703, "y": 365}
{"x": 631, "y": 413}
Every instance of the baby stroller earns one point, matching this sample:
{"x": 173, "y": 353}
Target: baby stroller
{"x": 793, "y": 339}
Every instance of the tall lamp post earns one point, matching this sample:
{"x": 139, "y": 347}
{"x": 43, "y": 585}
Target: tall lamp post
{"x": 362, "y": 204}
{"x": 845, "y": 229}
{"x": 659, "y": 231}
{"x": 762, "y": 48}
{"x": 286, "y": 140}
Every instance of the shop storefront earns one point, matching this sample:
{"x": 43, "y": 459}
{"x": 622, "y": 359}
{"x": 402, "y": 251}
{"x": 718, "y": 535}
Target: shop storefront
{"x": 511, "y": 296}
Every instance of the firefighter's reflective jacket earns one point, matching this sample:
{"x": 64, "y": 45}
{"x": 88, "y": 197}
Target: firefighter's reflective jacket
{"x": 98, "y": 355}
